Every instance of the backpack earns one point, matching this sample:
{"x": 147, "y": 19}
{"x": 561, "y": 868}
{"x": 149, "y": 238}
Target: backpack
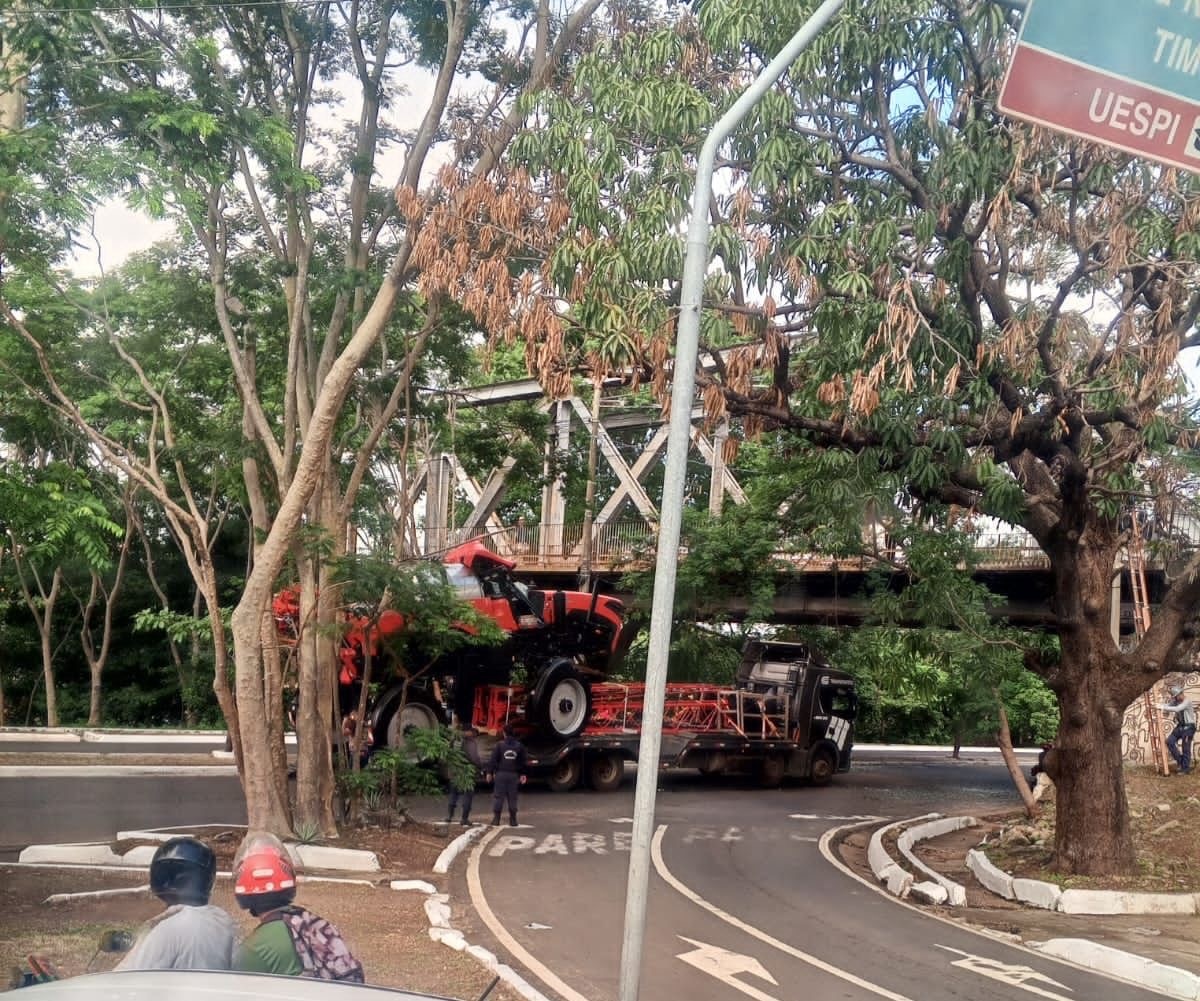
{"x": 322, "y": 951}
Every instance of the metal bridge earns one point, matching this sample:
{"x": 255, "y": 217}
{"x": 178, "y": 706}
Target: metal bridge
{"x": 625, "y": 525}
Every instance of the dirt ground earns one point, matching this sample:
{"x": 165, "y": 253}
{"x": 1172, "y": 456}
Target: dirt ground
{"x": 1168, "y": 859}
{"x": 386, "y": 929}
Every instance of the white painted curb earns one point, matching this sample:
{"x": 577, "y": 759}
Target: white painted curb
{"x": 955, "y": 893}
{"x": 1049, "y": 897}
{"x": 899, "y": 882}
{"x": 122, "y": 891}
{"x": 325, "y": 857}
{"x": 93, "y": 854}
{"x": 437, "y": 910}
{"x": 1136, "y": 969}
{"x": 111, "y": 771}
{"x": 456, "y": 847}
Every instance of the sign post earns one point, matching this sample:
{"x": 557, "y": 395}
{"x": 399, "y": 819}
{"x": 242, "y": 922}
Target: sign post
{"x": 1125, "y": 73}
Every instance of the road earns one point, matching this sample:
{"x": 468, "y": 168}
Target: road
{"x": 743, "y": 901}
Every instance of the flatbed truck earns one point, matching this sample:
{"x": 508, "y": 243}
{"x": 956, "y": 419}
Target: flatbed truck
{"x": 789, "y": 714}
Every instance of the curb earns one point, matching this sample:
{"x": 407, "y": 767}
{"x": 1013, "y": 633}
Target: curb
{"x": 139, "y": 870}
{"x": 121, "y": 891}
{"x": 954, "y": 894}
{"x": 454, "y": 849}
{"x": 886, "y": 870}
{"x": 1047, "y": 896}
{"x": 437, "y": 910}
{"x": 1170, "y": 980}
{"x": 139, "y": 857}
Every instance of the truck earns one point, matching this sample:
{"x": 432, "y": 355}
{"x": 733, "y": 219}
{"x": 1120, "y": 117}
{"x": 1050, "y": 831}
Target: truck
{"x": 788, "y": 714}
{"x": 562, "y": 641}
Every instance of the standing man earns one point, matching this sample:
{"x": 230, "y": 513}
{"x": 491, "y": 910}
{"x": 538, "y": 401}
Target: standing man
{"x": 191, "y": 934}
{"x": 1179, "y": 740}
{"x": 470, "y": 750}
{"x": 507, "y": 767}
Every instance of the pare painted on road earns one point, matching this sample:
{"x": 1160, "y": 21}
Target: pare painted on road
{"x": 573, "y": 843}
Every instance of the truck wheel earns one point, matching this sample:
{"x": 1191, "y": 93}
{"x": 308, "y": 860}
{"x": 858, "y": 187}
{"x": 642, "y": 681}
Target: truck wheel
{"x": 566, "y": 774}
{"x": 562, "y": 701}
{"x": 822, "y": 768}
{"x": 416, "y": 714}
{"x": 605, "y": 772}
{"x": 772, "y": 771}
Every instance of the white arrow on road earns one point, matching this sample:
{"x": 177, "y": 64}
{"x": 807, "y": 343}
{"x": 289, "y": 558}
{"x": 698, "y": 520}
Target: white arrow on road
{"x": 726, "y": 965}
{"x": 1006, "y": 973}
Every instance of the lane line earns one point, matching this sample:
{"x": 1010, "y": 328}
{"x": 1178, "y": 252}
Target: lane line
{"x": 523, "y": 955}
{"x": 804, "y": 957}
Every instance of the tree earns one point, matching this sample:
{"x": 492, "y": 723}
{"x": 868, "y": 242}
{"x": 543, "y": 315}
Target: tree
{"x": 984, "y": 317}
{"x": 210, "y": 113}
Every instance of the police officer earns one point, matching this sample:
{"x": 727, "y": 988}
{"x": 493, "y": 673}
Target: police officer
{"x": 507, "y": 767}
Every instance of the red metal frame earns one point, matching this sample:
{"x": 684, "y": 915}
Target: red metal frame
{"x": 617, "y": 710}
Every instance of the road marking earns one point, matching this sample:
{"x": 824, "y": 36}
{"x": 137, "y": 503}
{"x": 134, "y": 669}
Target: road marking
{"x": 725, "y": 966}
{"x": 804, "y": 957}
{"x": 818, "y": 816}
{"x": 576, "y": 843}
{"x": 1007, "y": 973}
{"x": 620, "y": 820}
{"x": 534, "y": 926}
{"x": 518, "y": 951}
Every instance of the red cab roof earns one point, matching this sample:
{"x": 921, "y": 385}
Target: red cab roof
{"x": 474, "y": 554}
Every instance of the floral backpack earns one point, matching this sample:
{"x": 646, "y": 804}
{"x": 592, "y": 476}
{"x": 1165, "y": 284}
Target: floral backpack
{"x": 320, "y": 947}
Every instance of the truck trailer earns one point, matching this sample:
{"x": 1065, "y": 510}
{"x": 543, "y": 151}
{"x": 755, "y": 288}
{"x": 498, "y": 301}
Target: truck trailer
{"x": 789, "y": 714}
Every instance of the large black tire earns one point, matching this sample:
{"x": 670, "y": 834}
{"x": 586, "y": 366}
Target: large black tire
{"x": 823, "y": 767}
{"x": 561, "y": 701}
{"x": 567, "y": 774}
{"x": 605, "y": 771}
{"x": 420, "y": 712}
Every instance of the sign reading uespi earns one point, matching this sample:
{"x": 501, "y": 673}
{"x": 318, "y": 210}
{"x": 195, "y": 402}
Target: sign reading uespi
{"x": 1121, "y": 72}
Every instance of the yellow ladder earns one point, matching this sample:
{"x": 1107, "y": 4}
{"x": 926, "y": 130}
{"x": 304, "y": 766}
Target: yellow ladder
{"x": 1141, "y": 625}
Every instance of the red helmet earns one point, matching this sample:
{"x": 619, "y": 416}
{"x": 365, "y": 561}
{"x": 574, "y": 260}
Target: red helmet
{"x": 263, "y": 875}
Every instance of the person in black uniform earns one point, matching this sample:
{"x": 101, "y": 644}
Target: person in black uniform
{"x": 507, "y": 768}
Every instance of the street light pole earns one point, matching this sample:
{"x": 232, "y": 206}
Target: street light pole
{"x": 678, "y": 441}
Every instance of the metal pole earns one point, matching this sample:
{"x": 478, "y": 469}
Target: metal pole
{"x": 663, "y": 606}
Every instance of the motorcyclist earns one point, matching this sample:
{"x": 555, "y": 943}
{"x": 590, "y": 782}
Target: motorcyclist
{"x": 289, "y": 940}
{"x": 191, "y": 934}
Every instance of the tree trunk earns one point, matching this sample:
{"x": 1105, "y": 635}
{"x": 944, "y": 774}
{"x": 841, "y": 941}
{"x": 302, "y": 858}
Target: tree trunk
{"x": 47, "y": 646}
{"x": 1004, "y": 740}
{"x": 95, "y": 698}
{"x": 1092, "y": 834}
{"x": 314, "y": 758}
{"x": 266, "y": 809}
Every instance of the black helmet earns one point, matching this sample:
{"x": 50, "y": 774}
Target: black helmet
{"x": 183, "y": 871}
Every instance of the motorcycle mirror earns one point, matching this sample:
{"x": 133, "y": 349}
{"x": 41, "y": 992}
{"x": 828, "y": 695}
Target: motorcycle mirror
{"x": 116, "y": 940}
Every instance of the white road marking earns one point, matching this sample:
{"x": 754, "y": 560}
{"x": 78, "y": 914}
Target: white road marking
{"x": 1007, "y": 973}
{"x": 534, "y": 926}
{"x": 620, "y": 820}
{"x": 725, "y": 966}
{"x": 518, "y": 951}
{"x": 804, "y": 957}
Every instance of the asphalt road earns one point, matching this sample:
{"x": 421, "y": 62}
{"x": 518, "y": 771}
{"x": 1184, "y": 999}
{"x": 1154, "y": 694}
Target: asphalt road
{"x": 742, "y": 901}
{"x": 66, "y": 808}
{"x": 115, "y": 744}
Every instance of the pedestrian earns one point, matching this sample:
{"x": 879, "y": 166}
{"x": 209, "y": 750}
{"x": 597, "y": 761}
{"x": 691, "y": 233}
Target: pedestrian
{"x": 470, "y": 750}
{"x": 506, "y": 768}
{"x": 191, "y": 934}
{"x": 288, "y": 941}
{"x": 1179, "y": 740}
